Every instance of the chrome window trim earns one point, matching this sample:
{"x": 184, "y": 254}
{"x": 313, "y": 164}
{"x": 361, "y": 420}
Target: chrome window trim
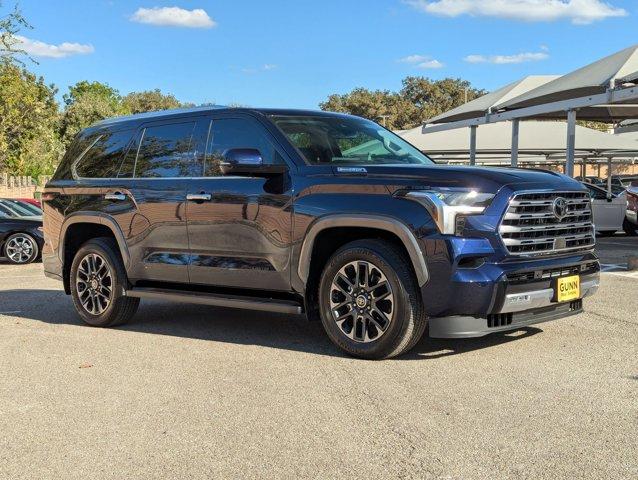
{"x": 74, "y": 172}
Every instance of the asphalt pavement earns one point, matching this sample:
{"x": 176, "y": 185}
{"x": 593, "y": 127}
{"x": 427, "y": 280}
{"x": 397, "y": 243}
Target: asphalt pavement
{"x": 197, "y": 392}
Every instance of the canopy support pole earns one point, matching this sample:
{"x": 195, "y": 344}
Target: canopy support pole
{"x": 583, "y": 170}
{"x": 609, "y": 159}
{"x": 571, "y": 143}
{"x": 515, "y": 130}
{"x": 473, "y": 144}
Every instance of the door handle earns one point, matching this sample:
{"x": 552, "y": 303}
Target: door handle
{"x": 199, "y": 197}
{"x": 117, "y": 196}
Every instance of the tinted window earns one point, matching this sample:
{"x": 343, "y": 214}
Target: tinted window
{"x": 103, "y": 158}
{"x": 596, "y": 193}
{"x": 166, "y": 152}
{"x": 230, "y": 133}
{"x": 127, "y": 167}
{"x": 80, "y": 143}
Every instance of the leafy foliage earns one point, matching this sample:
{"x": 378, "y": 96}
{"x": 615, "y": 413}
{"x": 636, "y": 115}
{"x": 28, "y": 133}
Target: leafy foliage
{"x": 29, "y": 119}
{"x": 149, "y": 101}
{"x": 10, "y": 26}
{"x": 419, "y": 99}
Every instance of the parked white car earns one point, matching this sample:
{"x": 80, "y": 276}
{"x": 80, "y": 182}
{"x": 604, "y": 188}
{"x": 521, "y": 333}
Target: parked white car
{"x": 608, "y": 209}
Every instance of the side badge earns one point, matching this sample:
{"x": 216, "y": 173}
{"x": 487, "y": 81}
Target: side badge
{"x": 351, "y": 170}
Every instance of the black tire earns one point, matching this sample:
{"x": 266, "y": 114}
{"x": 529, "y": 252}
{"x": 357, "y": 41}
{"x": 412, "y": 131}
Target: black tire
{"x": 21, "y": 257}
{"x": 629, "y": 228}
{"x": 407, "y": 321}
{"x": 120, "y": 308}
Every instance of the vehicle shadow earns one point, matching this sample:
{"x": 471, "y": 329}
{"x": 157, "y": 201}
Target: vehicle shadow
{"x": 228, "y": 325}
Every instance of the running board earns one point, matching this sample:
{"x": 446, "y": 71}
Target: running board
{"x": 218, "y": 300}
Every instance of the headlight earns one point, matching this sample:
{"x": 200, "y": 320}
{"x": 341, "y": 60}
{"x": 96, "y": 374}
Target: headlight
{"x": 445, "y": 205}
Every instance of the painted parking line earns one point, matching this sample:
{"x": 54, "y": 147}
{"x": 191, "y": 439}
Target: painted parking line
{"x": 613, "y": 267}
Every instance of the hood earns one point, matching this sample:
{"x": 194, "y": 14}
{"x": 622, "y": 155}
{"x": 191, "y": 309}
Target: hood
{"x": 489, "y": 180}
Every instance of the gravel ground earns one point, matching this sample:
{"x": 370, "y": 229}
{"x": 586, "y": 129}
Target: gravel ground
{"x": 197, "y": 392}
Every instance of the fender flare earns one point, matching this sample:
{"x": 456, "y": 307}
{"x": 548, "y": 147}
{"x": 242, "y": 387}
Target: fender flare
{"x": 100, "y": 219}
{"x": 379, "y": 222}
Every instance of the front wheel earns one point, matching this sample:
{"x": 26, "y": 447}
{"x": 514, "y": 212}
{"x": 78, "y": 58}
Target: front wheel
{"x": 98, "y": 285}
{"x": 370, "y": 302}
{"x": 21, "y": 248}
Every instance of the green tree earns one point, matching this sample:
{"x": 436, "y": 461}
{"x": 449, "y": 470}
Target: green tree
{"x": 29, "y": 143}
{"x": 10, "y": 25}
{"x": 97, "y": 89}
{"x": 87, "y": 103}
{"x": 149, "y": 101}
{"x": 87, "y": 109}
{"x": 419, "y": 99}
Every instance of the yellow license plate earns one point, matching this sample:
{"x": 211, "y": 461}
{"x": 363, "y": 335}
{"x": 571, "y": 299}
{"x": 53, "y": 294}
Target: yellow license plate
{"x": 568, "y": 288}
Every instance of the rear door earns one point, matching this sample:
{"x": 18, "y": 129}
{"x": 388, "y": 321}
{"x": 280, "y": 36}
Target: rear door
{"x": 148, "y": 199}
{"x": 240, "y": 226}
{"x": 608, "y": 214}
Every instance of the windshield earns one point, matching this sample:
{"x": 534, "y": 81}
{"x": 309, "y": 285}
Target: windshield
{"x": 6, "y": 212}
{"x": 347, "y": 140}
{"x": 24, "y": 208}
{"x": 17, "y": 208}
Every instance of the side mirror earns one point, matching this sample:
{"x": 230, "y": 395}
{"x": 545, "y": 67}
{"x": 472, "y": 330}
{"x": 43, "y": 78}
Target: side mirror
{"x": 248, "y": 161}
{"x": 610, "y": 197}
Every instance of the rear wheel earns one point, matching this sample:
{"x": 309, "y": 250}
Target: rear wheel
{"x": 370, "y": 302}
{"x": 98, "y": 285}
{"x": 21, "y": 248}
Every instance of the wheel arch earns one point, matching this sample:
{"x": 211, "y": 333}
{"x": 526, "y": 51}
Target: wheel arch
{"x": 107, "y": 225}
{"x": 363, "y": 222}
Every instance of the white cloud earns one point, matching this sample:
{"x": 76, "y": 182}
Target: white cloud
{"x": 37, "y": 48}
{"x": 577, "y": 11}
{"x": 430, "y": 64}
{"x": 269, "y": 66}
{"x": 174, "y": 17}
{"x": 421, "y": 61}
{"x": 414, "y": 59}
{"x": 507, "y": 59}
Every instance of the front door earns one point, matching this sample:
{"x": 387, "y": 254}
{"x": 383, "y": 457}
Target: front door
{"x": 240, "y": 227}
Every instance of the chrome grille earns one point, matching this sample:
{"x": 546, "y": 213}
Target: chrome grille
{"x": 530, "y": 225}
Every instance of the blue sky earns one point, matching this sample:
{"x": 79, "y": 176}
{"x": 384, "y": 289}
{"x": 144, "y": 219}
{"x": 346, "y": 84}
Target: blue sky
{"x": 294, "y": 53}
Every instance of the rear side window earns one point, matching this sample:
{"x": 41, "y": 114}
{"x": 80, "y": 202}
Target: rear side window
{"x": 80, "y": 143}
{"x": 104, "y": 155}
{"x": 167, "y": 151}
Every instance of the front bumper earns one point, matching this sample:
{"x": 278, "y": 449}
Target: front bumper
{"x": 503, "y": 293}
{"x": 519, "y": 299}
{"x": 471, "y": 327}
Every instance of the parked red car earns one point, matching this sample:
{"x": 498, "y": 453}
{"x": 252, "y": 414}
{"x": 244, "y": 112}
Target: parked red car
{"x": 32, "y": 201}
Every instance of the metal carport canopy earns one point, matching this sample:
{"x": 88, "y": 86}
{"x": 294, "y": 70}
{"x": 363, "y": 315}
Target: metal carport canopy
{"x": 538, "y": 137}
{"x": 604, "y": 90}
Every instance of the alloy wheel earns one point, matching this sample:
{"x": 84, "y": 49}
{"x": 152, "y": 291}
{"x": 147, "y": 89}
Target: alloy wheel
{"x": 20, "y": 248}
{"x": 94, "y": 284}
{"x": 362, "y": 301}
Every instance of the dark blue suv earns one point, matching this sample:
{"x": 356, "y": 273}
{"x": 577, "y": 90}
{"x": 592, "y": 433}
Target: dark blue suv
{"x": 312, "y": 212}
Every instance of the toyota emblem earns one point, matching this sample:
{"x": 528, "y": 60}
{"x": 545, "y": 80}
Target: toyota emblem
{"x": 560, "y": 208}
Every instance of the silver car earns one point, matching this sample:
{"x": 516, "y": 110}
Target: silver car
{"x": 608, "y": 209}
